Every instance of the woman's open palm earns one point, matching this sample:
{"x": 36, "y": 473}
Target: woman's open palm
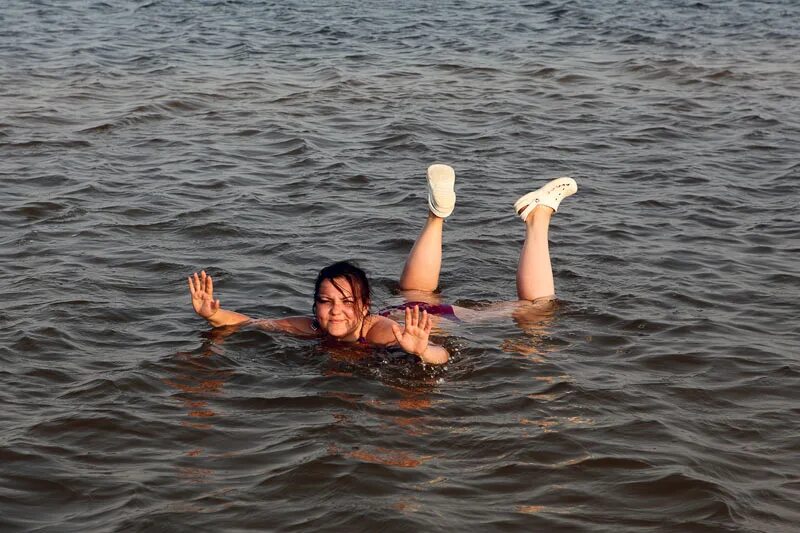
{"x": 413, "y": 337}
{"x": 202, "y": 290}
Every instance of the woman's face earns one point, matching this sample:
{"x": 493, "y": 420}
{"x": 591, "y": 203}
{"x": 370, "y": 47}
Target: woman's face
{"x": 339, "y": 312}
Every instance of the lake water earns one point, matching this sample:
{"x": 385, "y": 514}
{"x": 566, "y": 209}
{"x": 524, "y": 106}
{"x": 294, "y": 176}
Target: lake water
{"x": 143, "y": 140}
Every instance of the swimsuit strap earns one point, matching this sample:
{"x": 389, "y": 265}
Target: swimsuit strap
{"x": 361, "y": 338}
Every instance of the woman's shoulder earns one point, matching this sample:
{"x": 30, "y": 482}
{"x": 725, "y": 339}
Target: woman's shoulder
{"x": 378, "y": 330}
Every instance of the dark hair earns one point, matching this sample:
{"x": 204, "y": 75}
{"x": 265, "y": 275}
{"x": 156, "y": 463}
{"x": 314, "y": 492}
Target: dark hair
{"x": 357, "y": 278}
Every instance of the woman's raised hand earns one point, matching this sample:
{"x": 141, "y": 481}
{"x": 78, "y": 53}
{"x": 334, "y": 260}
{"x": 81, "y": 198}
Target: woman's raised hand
{"x": 413, "y": 338}
{"x": 202, "y": 290}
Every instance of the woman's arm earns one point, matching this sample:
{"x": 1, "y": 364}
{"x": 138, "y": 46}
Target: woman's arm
{"x": 412, "y": 337}
{"x": 201, "y": 289}
{"x": 302, "y": 326}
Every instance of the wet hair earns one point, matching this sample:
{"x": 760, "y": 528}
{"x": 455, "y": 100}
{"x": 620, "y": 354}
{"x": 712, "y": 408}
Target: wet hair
{"x": 357, "y": 278}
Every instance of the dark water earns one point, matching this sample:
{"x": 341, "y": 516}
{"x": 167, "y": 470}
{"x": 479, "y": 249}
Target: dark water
{"x": 142, "y": 140}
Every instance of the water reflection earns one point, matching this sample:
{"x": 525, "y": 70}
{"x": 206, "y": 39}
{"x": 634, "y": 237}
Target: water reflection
{"x": 380, "y": 455}
{"x": 197, "y": 382}
{"x": 386, "y": 413}
{"x": 535, "y": 322}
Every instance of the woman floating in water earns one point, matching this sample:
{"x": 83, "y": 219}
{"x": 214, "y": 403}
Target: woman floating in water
{"x": 342, "y": 296}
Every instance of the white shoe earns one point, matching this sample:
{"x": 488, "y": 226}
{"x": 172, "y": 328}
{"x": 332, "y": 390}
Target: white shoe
{"x": 550, "y": 195}
{"x": 441, "y": 190}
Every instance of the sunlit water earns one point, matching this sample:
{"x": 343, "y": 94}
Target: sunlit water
{"x": 143, "y": 140}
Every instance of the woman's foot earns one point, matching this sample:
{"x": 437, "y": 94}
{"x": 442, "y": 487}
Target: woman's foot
{"x": 441, "y": 190}
{"x": 550, "y": 195}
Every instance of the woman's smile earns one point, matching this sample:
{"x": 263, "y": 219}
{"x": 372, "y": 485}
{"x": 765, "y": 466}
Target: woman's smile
{"x": 337, "y": 310}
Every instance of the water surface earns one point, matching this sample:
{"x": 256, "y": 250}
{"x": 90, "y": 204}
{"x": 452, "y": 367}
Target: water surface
{"x": 143, "y": 140}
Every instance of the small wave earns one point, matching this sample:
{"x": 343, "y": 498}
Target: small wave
{"x": 553, "y": 391}
{"x": 45, "y": 144}
{"x": 146, "y": 113}
{"x": 395, "y": 140}
{"x": 45, "y": 339}
{"x": 538, "y": 71}
{"x": 721, "y": 74}
{"x": 50, "y": 376}
{"x": 124, "y": 122}
{"x": 575, "y": 79}
{"x": 36, "y": 210}
{"x": 602, "y": 463}
{"x": 287, "y": 147}
{"x": 702, "y": 499}
{"x": 638, "y": 39}
{"x": 103, "y": 389}
{"x": 676, "y": 363}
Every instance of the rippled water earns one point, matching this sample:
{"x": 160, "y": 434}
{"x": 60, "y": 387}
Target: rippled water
{"x": 142, "y": 140}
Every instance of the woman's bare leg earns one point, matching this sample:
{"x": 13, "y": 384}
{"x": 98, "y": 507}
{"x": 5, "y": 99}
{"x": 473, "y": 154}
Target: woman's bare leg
{"x": 424, "y": 263}
{"x": 535, "y": 273}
